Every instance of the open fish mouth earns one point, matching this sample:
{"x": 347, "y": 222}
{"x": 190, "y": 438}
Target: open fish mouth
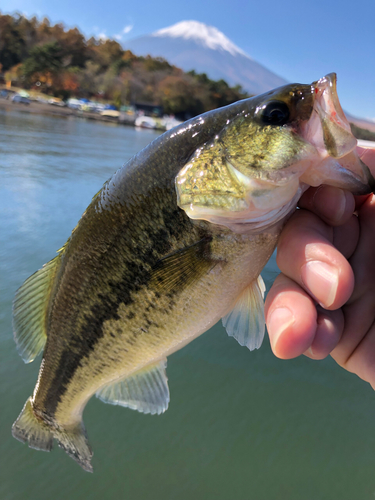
{"x": 337, "y": 136}
{"x": 328, "y": 130}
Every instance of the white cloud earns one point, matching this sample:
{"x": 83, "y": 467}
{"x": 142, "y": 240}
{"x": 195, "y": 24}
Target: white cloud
{"x": 99, "y": 34}
{"x": 126, "y": 30}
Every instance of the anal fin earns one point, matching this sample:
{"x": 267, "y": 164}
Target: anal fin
{"x": 246, "y": 321}
{"x": 27, "y": 428}
{"x": 146, "y": 390}
{"x": 74, "y": 442}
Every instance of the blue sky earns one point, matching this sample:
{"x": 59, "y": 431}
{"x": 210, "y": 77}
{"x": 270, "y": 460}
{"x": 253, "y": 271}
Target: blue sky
{"x": 299, "y": 40}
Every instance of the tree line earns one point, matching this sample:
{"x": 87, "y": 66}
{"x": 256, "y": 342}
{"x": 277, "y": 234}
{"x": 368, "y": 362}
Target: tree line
{"x": 63, "y": 63}
{"x": 362, "y": 133}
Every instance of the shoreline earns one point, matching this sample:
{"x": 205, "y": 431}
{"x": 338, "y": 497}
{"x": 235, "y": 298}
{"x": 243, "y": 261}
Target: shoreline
{"x": 51, "y": 110}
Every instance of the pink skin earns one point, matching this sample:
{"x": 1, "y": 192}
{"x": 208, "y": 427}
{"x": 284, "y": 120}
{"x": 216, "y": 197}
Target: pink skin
{"x": 323, "y": 302}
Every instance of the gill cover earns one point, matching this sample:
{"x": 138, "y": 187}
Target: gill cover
{"x": 249, "y": 172}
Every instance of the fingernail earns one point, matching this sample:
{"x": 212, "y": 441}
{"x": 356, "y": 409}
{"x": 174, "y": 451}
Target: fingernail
{"x": 309, "y": 352}
{"x": 280, "y": 319}
{"x": 321, "y": 280}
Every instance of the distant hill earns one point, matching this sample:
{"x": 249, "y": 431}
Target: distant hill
{"x": 192, "y": 45}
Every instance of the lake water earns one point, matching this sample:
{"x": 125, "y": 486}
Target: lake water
{"x": 240, "y": 425}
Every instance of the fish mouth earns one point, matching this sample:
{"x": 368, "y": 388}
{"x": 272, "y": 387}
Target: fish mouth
{"x": 337, "y": 136}
{"x": 328, "y": 130}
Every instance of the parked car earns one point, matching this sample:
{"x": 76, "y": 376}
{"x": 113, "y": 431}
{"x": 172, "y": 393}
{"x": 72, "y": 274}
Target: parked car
{"x": 5, "y": 94}
{"x": 56, "y": 102}
{"x": 93, "y": 107}
{"x": 20, "y": 99}
{"x": 42, "y": 100}
{"x": 110, "y": 113}
{"x": 74, "y": 103}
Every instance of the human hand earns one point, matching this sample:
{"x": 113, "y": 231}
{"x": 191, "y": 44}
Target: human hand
{"x": 323, "y": 302}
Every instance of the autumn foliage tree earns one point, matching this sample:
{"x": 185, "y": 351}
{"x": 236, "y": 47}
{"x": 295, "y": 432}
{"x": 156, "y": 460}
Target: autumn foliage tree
{"x": 178, "y": 93}
{"x": 63, "y": 63}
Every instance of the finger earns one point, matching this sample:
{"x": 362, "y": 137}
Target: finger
{"x": 359, "y": 319}
{"x": 362, "y": 360}
{"x": 306, "y": 254}
{"x": 330, "y": 325}
{"x": 295, "y": 326}
{"x": 360, "y": 309}
{"x": 363, "y": 261}
{"x": 367, "y": 155}
{"x": 335, "y": 206}
{"x": 291, "y": 318}
{"x": 346, "y": 237}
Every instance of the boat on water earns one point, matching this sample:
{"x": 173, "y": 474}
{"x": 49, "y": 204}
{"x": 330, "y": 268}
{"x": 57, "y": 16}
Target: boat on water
{"x": 165, "y": 123}
{"x": 145, "y": 122}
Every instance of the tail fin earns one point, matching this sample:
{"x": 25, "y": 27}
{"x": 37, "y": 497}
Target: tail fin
{"x": 28, "y": 428}
{"x": 74, "y": 441}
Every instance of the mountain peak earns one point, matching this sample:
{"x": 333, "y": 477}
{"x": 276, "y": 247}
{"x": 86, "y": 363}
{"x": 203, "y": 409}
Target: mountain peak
{"x": 209, "y": 36}
{"x": 191, "y": 45}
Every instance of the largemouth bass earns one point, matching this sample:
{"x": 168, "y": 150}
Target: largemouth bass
{"x": 173, "y": 242}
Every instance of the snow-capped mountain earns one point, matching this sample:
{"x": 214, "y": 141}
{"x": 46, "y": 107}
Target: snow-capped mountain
{"x": 208, "y": 36}
{"x": 194, "y": 45}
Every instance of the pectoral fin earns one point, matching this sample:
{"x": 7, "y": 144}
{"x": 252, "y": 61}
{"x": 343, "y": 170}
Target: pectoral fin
{"x": 182, "y": 267}
{"x": 30, "y": 311}
{"x": 146, "y": 391}
{"x": 246, "y": 320}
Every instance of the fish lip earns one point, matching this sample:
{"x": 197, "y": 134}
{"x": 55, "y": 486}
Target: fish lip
{"x": 325, "y": 91}
{"x": 370, "y": 186}
{"x": 262, "y": 222}
{"x": 337, "y": 138}
{"x": 328, "y": 130}
{"x": 348, "y": 172}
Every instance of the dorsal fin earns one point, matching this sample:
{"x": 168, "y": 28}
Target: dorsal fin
{"x": 146, "y": 390}
{"x": 246, "y": 320}
{"x": 30, "y": 310}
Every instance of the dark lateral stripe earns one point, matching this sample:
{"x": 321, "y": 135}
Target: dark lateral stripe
{"x": 136, "y": 275}
{"x": 85, "y": 340}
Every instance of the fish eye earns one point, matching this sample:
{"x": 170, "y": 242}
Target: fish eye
{"x": 275, "y": 113}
